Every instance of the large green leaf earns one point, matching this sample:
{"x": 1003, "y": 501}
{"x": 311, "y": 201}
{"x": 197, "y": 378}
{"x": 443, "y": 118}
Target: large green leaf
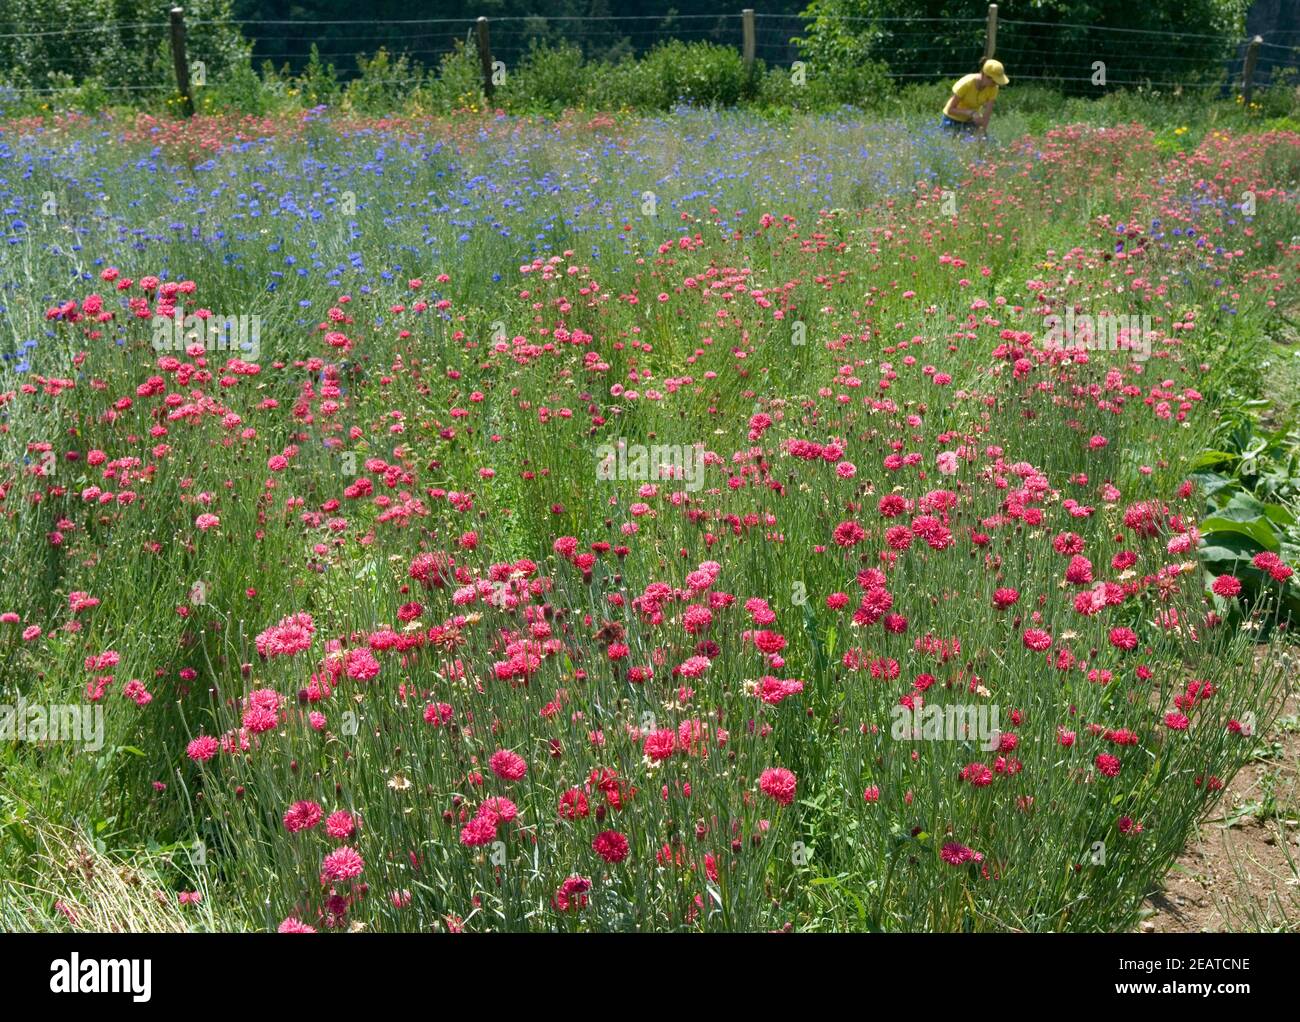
{"x": 1243, "y": 507}
{"x": 1261, "y": 530}
{"x": 1213, "y": 483}
{"x": 1278, "y": 513}
{"x": 1229, "y": 543}
{"x": 1208, "y": 459}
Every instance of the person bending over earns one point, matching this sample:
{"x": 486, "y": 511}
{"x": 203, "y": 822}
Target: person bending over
{"x": 971, "y": 104}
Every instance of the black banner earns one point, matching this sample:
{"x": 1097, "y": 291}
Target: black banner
{"x": 143, "y": 972}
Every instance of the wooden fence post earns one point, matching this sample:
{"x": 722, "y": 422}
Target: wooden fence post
{"x": 485, "y": 56}
{"x": 178, "y": 59}
{"x": 991, "y": 33}
{"x": 747, "y": 30}
{"x": 1248, "y": 72}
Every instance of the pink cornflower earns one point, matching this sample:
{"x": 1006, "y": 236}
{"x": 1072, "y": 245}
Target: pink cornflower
{"x": 481, "y": 830}
{"x": 1268, "y": 561}
{"x": 498, "y": 810}
{"x": 693, "y": 667}
{"x": 778, "y": 784}
{"x": 291, "y": 635}
{"x": 340, "y": 825}
{"x": 202, "y": 749}
{"x": 955, "y": 854}
{"x": 259, "y": 718}
{"x": 697, "y": 619}
{"x": 978, "y": 775}
{"x": 360, "y": 664}
{"x": 344, "y": 863}
{"x": 1144, "y": 518}
{"x": 509, "y": 766}
{"x": 301, "y": 816}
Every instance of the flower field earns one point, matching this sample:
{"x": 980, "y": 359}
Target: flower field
{"x": 694, "y": 523}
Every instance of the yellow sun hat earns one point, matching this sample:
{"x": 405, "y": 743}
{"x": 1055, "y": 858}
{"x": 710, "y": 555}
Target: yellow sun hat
{"x": 993, "y": 69}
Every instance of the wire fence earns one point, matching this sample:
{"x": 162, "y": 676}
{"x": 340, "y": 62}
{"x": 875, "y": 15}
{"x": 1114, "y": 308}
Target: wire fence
{"x": 1063, "y": 54}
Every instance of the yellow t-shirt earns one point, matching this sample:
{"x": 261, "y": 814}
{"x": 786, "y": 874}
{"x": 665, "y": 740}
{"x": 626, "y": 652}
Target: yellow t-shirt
{"x": 970, "y": 97}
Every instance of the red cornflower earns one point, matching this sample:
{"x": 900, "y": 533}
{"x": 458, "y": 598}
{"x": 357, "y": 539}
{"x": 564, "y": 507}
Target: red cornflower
{"x": 659, "y": 744}
{"x": 977, "y": 774}
{"x": 1037, "y": 639}
{"x": 848, "y": 533}
{"x": 572, "y": 894}
{"x": 1226, "y": 586}
{"x": 573, "y": 804}
{"x": 1123, "y": 638}
{"x": 611, "y": 846}
{"x": 479, "y": 831}
{"x": 1005, "y": 597}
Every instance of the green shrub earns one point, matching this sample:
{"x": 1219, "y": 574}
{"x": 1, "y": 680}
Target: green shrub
{"x": 621, "y": 84}
{"x": 384, "y": 83}
{"x": 1282, "y": 97}
{"x": 241, "y": 88}
{"x": 862, "y": 84}
{"x": 457, "y": 84}
{"x": 549, "y": 78}
{"x": 319, "y": 82}
{"x": 700, "y": 74}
